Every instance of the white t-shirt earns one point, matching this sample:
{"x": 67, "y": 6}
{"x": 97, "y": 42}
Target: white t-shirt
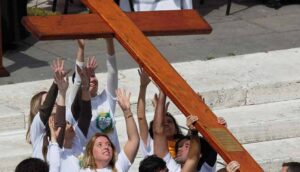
{"x": 37, "y": 133}
{"x": 147, "y": 150}
{"x": 103, "y": 105}
{"x": 102, "y": 116}
{"x": 67, "y": 158}
{"x": 207, "y": 168}
{"x": 172, "y": 165}
{"x": 122, "y": 165}
{"x": 154, "y": 5}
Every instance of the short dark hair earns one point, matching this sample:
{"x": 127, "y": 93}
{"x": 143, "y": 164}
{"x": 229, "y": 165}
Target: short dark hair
{"x": 32, "y": 165}
{"x": 187, "y": 137}
{"x": 152, "y": 163}
{"x": 292, "y": 166}
{"x": 178, "y": 131}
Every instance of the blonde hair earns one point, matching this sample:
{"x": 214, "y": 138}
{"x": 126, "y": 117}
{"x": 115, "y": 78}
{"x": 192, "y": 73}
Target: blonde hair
{"x": 88, "y": 160}
{"x": 35, "y": 104}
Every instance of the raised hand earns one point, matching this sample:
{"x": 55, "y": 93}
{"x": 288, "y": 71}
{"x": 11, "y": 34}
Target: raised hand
{"x": 91, "y": 66}
{"x": 123, "y": 99}
{"x": 144, "y": 78}
{"x": 233, "y": 166}
{"x": 53, "y": 131}
{"x": 60, "y": 76}
{"x": 155, "y": 100}
{"x": 190, "y": 121}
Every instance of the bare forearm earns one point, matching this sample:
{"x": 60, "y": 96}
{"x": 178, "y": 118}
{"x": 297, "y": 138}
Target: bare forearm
{"x": 143, "y": 126}
{"x": 193, "y": 156}
{"x": 131, "y": 128}
{"x": 160, "y": 139}
{"x": 132, "y": 145}
{"x": 61, "y": 98}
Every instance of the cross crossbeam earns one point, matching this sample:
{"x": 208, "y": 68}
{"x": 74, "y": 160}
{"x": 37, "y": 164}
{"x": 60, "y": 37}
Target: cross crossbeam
{"x": 153, "y": 23}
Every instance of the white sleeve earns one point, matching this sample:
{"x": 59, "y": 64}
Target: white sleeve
{"x": 76, "y": 85}
{"x": 112, "y": 101}
{"x": 172, "y": 165}
{"x": 37, "y": 128}
{"x": 187, "y": 4}
{"x": 112, "y": 75}
{"x": 123, "y": 163}
{"x": 53, "y": 157}
{"x": 146, "y": 149}
{"x": 79, "y": 141}
{"x": 69, "y": 116}
{"x": 69, "y": 162}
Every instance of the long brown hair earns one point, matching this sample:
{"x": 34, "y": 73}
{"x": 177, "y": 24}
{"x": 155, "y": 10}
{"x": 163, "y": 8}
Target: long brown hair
{"x": 88, "y": 160}
{"x": 35, "y": 104}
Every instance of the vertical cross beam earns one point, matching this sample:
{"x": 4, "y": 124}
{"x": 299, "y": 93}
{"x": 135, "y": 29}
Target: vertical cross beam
{"x": 176, "y": 88}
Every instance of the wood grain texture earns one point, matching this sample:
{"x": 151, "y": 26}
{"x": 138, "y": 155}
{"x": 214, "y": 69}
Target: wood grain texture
{"x": 154, "y": 23}
{"x": 176, "y": 88}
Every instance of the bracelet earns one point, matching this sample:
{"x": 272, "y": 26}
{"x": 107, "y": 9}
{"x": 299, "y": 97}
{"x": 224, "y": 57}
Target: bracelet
{"x": 129, "y": 116}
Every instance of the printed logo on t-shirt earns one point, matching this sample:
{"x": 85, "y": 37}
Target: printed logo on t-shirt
{"x": 104, "y": 121}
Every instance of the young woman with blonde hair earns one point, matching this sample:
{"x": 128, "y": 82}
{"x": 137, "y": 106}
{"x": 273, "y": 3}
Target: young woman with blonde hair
{"x": 44, "y": 105}
{"x": 100, "y": 154}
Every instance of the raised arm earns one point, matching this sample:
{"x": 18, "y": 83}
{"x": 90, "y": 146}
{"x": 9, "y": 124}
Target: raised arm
{"x": 112, "y": 70}
{"x": 142, "y": 121}
{"x": 73, "y": 101}
{"x": 61, "y": 79}
{"x": 85, "y": 105}
{"x": 160, "y": 139}
{"x": 132, "y": 144}
{"x": 193, "y": 156}
{"x": 47, "y": 106}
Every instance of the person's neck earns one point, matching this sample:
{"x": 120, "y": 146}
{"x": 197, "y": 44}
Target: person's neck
{"x": 102, "y": 164}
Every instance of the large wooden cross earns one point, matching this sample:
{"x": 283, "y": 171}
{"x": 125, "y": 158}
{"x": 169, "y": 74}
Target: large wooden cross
{"x": 109, "y": 20}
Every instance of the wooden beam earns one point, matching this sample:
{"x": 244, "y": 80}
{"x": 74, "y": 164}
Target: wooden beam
{"x": 3, "y": 71}
{"x": 154, "y": 23}
{"x": 176, "y": 88}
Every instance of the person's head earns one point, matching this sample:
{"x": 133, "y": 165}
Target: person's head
{"x": 171, "y": 126}
{"x": 93, "y": 86}
{"x": 290, "y": 167}
{"x": 99, "y": 150}
{"x": 153, "y": 164}
{"x": 32, "y": 165}
{"x": 182, "y": 148}
{"x": 35, "y": 104}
